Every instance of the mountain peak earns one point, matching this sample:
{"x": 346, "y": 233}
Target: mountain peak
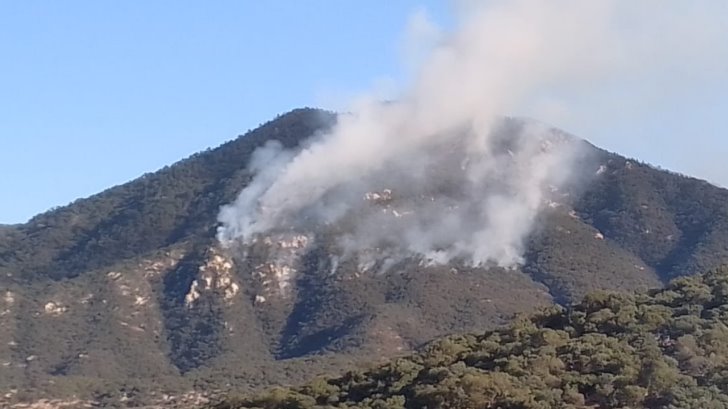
{"x": 131, "y": 285}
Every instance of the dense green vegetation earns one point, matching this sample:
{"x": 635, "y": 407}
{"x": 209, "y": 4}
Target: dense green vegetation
{"x": 659, "y": 349}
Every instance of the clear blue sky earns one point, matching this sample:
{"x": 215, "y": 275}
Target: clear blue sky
{"x": 96, "y": 93}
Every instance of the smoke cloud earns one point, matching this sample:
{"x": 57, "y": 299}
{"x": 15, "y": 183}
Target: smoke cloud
{"x": 439, "y": 174}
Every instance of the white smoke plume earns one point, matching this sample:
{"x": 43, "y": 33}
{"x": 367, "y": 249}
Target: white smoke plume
{"x": 436, "y": 173}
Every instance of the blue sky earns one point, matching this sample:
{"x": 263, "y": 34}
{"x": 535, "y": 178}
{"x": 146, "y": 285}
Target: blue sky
{"x": 96, "y": 93}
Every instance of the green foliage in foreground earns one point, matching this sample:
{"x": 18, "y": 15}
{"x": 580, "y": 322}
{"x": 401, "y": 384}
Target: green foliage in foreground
{"x": 666, "y": 348}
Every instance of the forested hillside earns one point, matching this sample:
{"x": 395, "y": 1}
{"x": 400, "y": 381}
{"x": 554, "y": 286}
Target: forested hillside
{"x": 128, "y": 296}
{"x": 658, "y": 349}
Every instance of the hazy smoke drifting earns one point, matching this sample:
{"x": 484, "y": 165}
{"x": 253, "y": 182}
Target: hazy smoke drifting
{"x": 436, "y": 173}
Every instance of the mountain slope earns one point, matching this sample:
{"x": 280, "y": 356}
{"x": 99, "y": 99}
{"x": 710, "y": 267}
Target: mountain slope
{"x": 155, "y": 210}
{"x": 128, "y": 293}
{"x": 657, "y": 349}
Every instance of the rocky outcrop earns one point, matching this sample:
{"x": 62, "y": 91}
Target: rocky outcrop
{"x": 215, "y": 275}
{"x": 282, "y": 257}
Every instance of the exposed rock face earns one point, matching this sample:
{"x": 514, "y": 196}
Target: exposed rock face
{"x": 54, "y": 308}
{"x": 153, "y": 268}
{"x": 9, "y": 298}
{"x": 275, "y": 277}
{"x": 216, "y": 274}
{"x": 281, "y": 254}
{"x": 381, "y": 197}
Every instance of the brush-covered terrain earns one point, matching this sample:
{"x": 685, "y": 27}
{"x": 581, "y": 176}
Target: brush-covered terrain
{"x": 127, "y": 297}
{"x": 664, "y": 348}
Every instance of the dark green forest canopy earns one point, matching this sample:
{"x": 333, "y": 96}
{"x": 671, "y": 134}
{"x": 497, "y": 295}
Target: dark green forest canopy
{"x": 664, "y": 348}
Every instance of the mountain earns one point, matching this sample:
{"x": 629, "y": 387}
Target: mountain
{"x": 658, "y": 349}
{"x": 127, "y": 296}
